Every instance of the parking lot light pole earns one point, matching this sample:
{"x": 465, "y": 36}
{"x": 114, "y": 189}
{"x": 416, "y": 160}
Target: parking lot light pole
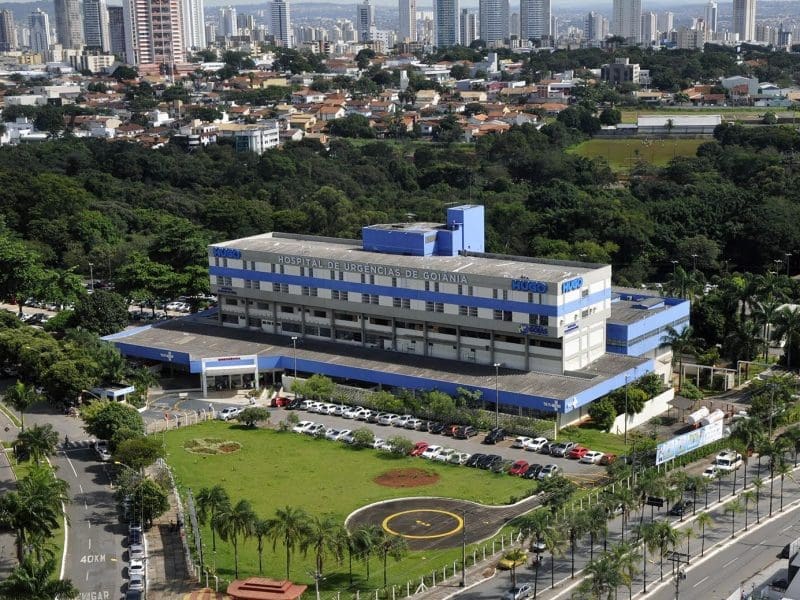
{"x": 625, "y": 436}
{"x": 294, "y": 349}
{"x": 496, "y": 395}
{"x": 788, "y": 256}
{"x": 463, "y": 548}
{"x": 91, "y": 276}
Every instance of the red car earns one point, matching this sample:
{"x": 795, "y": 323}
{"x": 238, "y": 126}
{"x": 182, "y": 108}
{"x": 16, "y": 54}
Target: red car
{"x": 518, "y": 468}
{"x": 280, "y": 402}
{"x": 419, "y": 448}
{"x": 608, "y": 459}
{"x": 577, "y": 452}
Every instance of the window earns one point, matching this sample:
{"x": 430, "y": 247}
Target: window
{"x": 314, "y": 292}
{"x": 439, "y": 307}
{"x": 363, "y": 278}
{"x": 220, "y": 280}
{"x": 427, "y": 286}
{"x": 394, "y": 281}
{"x": 272, "y": 268}
{"x": 335, "y": 295}
{"x": 341, "y": 275}
{"x": 310, "y": 271}
{"x": 494, "y": 293}
{"x": 216, "y": 261}
{"x": 276, "y": 287}
{"x": 231, "y": 302}
{"x": 585, "y": 313}
{"x": 507, "y": 315}
{"x": 224, "y": 262}
{"x": 333, "y": 274}
{"x": 473, "y": 311}
{"x": 470, "y": 290}
{"x": 463, "y": 310}
{"x": 374, "y": 299}
{"x": 429, "y": 306}
{"x": 252, "y": 285}
{"x": 460, "y": 290}
{"x": 497, "y": 315}
{"x": 406, "y": 303}
{"x": 228, "y": 281}
{"x": 372, "y": 279}
{"x": 302, "y": 271}
{"x": 505, "y": 294}
{"x": 262, "y": 306}
{"x": 281, "y": 270}
{"x": 436, "y": 286}
{"x": 584, "y": 292}
{"x": 252, "y": 265}
{"x": 287, "y": 309}
{"x": 380, "y": 322}
{"x": 284, "y": 288}
{"x": 320, "y": 314}
{"x": 364, "y": 298}
{"x": 396, "y": 302}
{"x": 305, "y": 290}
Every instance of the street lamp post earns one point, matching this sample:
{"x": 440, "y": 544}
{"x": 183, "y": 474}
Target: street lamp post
{"x": 788, "y": 256}
{"x": 141, "y": 495}
{"x": 625, "y": 437}
{"x": 778, "y": 264}
{"x": 694, "y": 262}
{"x": 463, "y": 549}
{"x": 91, "y": 277}
{"x": 496, "y": 395}
{"x": 294, "y": 350}
{"x": 674, "y": 264}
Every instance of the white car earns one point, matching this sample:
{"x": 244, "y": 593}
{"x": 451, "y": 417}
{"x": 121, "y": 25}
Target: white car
{"x": 521, "y": 442}
{"x": 316, "y": 407}
{"x": 229, "y": 412}
{"x": 135, "y": 567}
{"x": 445, "y": 454}
{"x": 363, "y": 414}
{"x": 135, "y": 552}
{"x": 305, "y": 404}
{"x": 728, "y": 460}
{"x": 337, "y": 409}
{"x": 343, "y": 433}
{"x": 348, "y": 437}
{"x": 402, "y": 420}
{"x": 315, "y": 429}
{"x": 459, "y": 458}
{"x": 431, "y": 452}
{"x": 386, "y": 419}
{"x": 711, "y": 472}
{"x": 414, "y": 424}
{"x": 303, "y": 426}
{"x": 592, "y": 457}
{"x": 536, "y": 444}
{"x": 386, "y": 446}
{"x": 332, "y": 434}
{"x": 351, "y": 412}
{"x": 136, "y": 583}
{"x": 378, "y": 443}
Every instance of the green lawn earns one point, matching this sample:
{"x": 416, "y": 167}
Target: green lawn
{"x": 595, "y": 439}
{"x": 274, "y": 469}
{"x": 727, "y": 112}
{"x": 622, "y": 154}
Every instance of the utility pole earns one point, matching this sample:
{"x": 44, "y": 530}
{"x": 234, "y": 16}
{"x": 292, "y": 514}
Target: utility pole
{"x": 463, "y": 548}
{"x": 496, "y": 395}
{"x": 678, "y": 560}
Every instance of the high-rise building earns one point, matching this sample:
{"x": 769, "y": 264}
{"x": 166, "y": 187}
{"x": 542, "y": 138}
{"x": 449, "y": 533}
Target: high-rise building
{"x": 407, "y": 27}
{"x": 95, "y": 25}
{"x": 39, "y": 23}
{"x": 627, "y": 20}
{"x": 245, "y": 21}
{"x": 534, "y": 19}
{"x": 649, "y": 28}
{"x": 494, "y": 20}
{"x": 68, "y": 23}
{"x": 280, "y": 19}
{"x": 711, "y": 16}
{"x": 445, "y": 22}
{"x": 154, "y": 33}
{"x": 665, "y": 22}
{"x": 7, "y": 33}
{"x": 469, "y": 27}
{"x": 194, "y": 30}
{"x": 365, "y": 21}
{"x": 116, "y": 29}
{"x": 515, "y": 25}
{"x": 228, "y": 26}
{"x": 595, "y": 28}
{"x": 744, "y": 19}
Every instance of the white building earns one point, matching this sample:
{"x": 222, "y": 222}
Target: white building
{"x": 8, "y": 36}
{"x": 227, "y": 22}
{"x": 39, "y": 23}
{"x": 407, "y": 25}
{"x": 281, "y": 23}
{"x": 68, "y": 23}
{"x": 194, "y": 31}
{"x": 445, "y": 21}
{"x": 595, "y": 28}
{"x": 534, "y": 19}
{"x": 665, "y": 22}
{"x": 258, "y": 138}
{"x": 154, "y": 34}
{"x": 469, "y": 27}
{"x": 711, "y": 16}
{"x": 365, "y": 22}
{"x": 95, "y": 25}
{"x": 627, "y": 20}
{"x": 649, "y": 28}
{"x": 494, "y": 21}
{"x": 744, "y": 19}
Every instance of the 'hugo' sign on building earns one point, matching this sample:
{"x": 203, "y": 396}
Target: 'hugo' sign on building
{"x": 221, "y": 252}
{"x": 572, "y": 285}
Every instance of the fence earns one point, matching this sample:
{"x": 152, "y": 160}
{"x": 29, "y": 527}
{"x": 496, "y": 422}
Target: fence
{"x": 175, "y": 420}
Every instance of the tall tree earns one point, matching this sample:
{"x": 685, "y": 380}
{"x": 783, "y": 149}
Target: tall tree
{"x": 387, "y": 546}
{"x": 288, "y": 526}
{"x": 731, "y": 508}
{"x": 38, "y": 441}
{"x": 787, "y": 328}
{"x": 211, "y": 502}
{"x": 365, "y": 540}
{"x": 703, "y": 520}
{"x": 261, "y": 529}
{"x": 22, "y": 396}
{"x": 323, "y": 535}
{"x": 32, "y": 580}
{"x": 682, "y": 342}
{"x": 235, "y": 523}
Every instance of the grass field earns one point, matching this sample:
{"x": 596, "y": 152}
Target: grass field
{"x": 728, "y": 112}
{"x": 273, "y": 470}
{"x": 621, "y": 154}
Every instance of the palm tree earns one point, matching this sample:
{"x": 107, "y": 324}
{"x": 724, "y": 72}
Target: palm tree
{"x": 787, "y": 328}
{"x": 32, "y": 580}
{"x": 793, "y": 435}
{"x": 539, "y": 525}
{"x": 288, "y": 526}
{"x": 575, "y": 524}
{"x": 731, "y": 508}
{"x": 697, "y": 483}
{"x": 625, "y": 558}
{"x": 21, "y": 396}
{"x": 38, "y": 441}
{"x": 688, "y": 533}
{"x": 748, "y": 497}
{"x": 390, "y": 545}
{"x": 744, "y": 341}
{"x": 261, "y": 531}
{"x": 625, "y": 499}
{"x": 758, "y": 483}
{"x": 554, "y": 544}
{"x": 143, "y": 379}
{"x": 604, "y": 576}
{"x": 211, "y": 502}
{"x": 776, "y": 451}
{"x": 783, "y": 469}
{"x": 596, "y": 525}
{"x": 366, "y": 538}
{"x": 682, "y": 342}
{"x": 649, "y": 536}
{"x": 323, "y": 534}
{"x": 703, "y": 520}
{"x": 719, "y": 476}
{"x": 667, "y": 537}
{"x": 764, "y": 312}
{"x": 683, "y": 283}
{"x": 233, "y": 523}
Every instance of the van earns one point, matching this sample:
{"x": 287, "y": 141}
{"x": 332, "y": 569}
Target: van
{"x": 728, "y": 461}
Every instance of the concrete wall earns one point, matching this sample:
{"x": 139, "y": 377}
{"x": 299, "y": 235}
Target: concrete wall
{"x": 652, "y": 408}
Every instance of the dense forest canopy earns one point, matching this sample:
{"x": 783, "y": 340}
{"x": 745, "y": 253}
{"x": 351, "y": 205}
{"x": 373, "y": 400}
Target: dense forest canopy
{"x": 735, "y": 205}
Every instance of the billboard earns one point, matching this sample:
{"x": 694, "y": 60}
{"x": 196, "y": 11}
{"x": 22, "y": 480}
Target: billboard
{"x": 687, "y": 442}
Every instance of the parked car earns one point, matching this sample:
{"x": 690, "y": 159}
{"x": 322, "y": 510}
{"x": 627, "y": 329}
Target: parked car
{"x": 711, "y": 472}
{"x": 431, "y": 452}
{"x": 521, "y": 442}
{"x": 561, "y": 448}
{"x": 465, "y": 432}
{"x": 592, "y": 457}
{"x": 445, "y": 454}
{"x": 498, "y": 434}
{"x": 435, "y": 427}
{"x": 347, "y": 436}
{"x": 294, "y": 404}
{"x": 363, "y": 414}
{"x": 415, "y": 424}
{"x": 332, "y": 434}
{"x": 136, "y": 583}
{"x": 387, "y": 418}
{"x": 577, "y": 452}
{"x": 459, "y": 458}
{"x": 375, "y": 416}
{"x": 536, "y": 444}
{"x": 518, "y": 468}
{"x": 377, "y": 443}
{"x": 337, "y": 409}
{"x": 136, "y": 552}
{"x": 402, "y": 420}
{"x": 519, "y": 592}
{"x": 136, "y": 567}
{"x": 101, "y": 449}
{"x": 548, "y": 471}
{"x": 681, "y": 508}
{"x": 489, "y": 461}
{"x": 473, "y": 460}
{"x": 728, "y": 460}
{"x": 450, "y": 430}
{"x": 281, "y": 402}
{"x": 607, "y": 459}
{"x": 228, "y": 413}
{"x": 315, "y": 430}
{"x": 419, "y": 448}
{"x": 501, "y": 466}
{"x": 532, "y": 472}
{"x": 302, "y": 426}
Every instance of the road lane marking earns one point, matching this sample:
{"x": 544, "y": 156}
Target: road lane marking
{"x": 80, "y": 487}
{"x": 786, "y": 528}
{"x": 90, "y": 543}
{"x": 730, "y": 562}
{"x": 71, "y": 466}
{"x": 701, "y": 581}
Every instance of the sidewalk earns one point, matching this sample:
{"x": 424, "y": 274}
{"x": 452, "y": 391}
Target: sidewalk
{"x": 8, "y": 553}
{"x": 167, "y": 575}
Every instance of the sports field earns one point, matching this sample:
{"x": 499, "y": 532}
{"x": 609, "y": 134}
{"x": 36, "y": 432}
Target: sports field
{"x": 622, "y": 154}
{"x": 274, "y": 470}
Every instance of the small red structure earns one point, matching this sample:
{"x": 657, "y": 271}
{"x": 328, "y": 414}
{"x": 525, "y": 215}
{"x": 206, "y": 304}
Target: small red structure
{"x": 261, "y": 588}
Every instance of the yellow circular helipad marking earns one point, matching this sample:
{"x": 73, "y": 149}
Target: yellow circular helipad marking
{"x": 456, "y": 529}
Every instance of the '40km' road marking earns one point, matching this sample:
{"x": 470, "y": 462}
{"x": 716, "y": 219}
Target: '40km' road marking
{"x": 93, "y": 558}
{"x": 95, "y": 595}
